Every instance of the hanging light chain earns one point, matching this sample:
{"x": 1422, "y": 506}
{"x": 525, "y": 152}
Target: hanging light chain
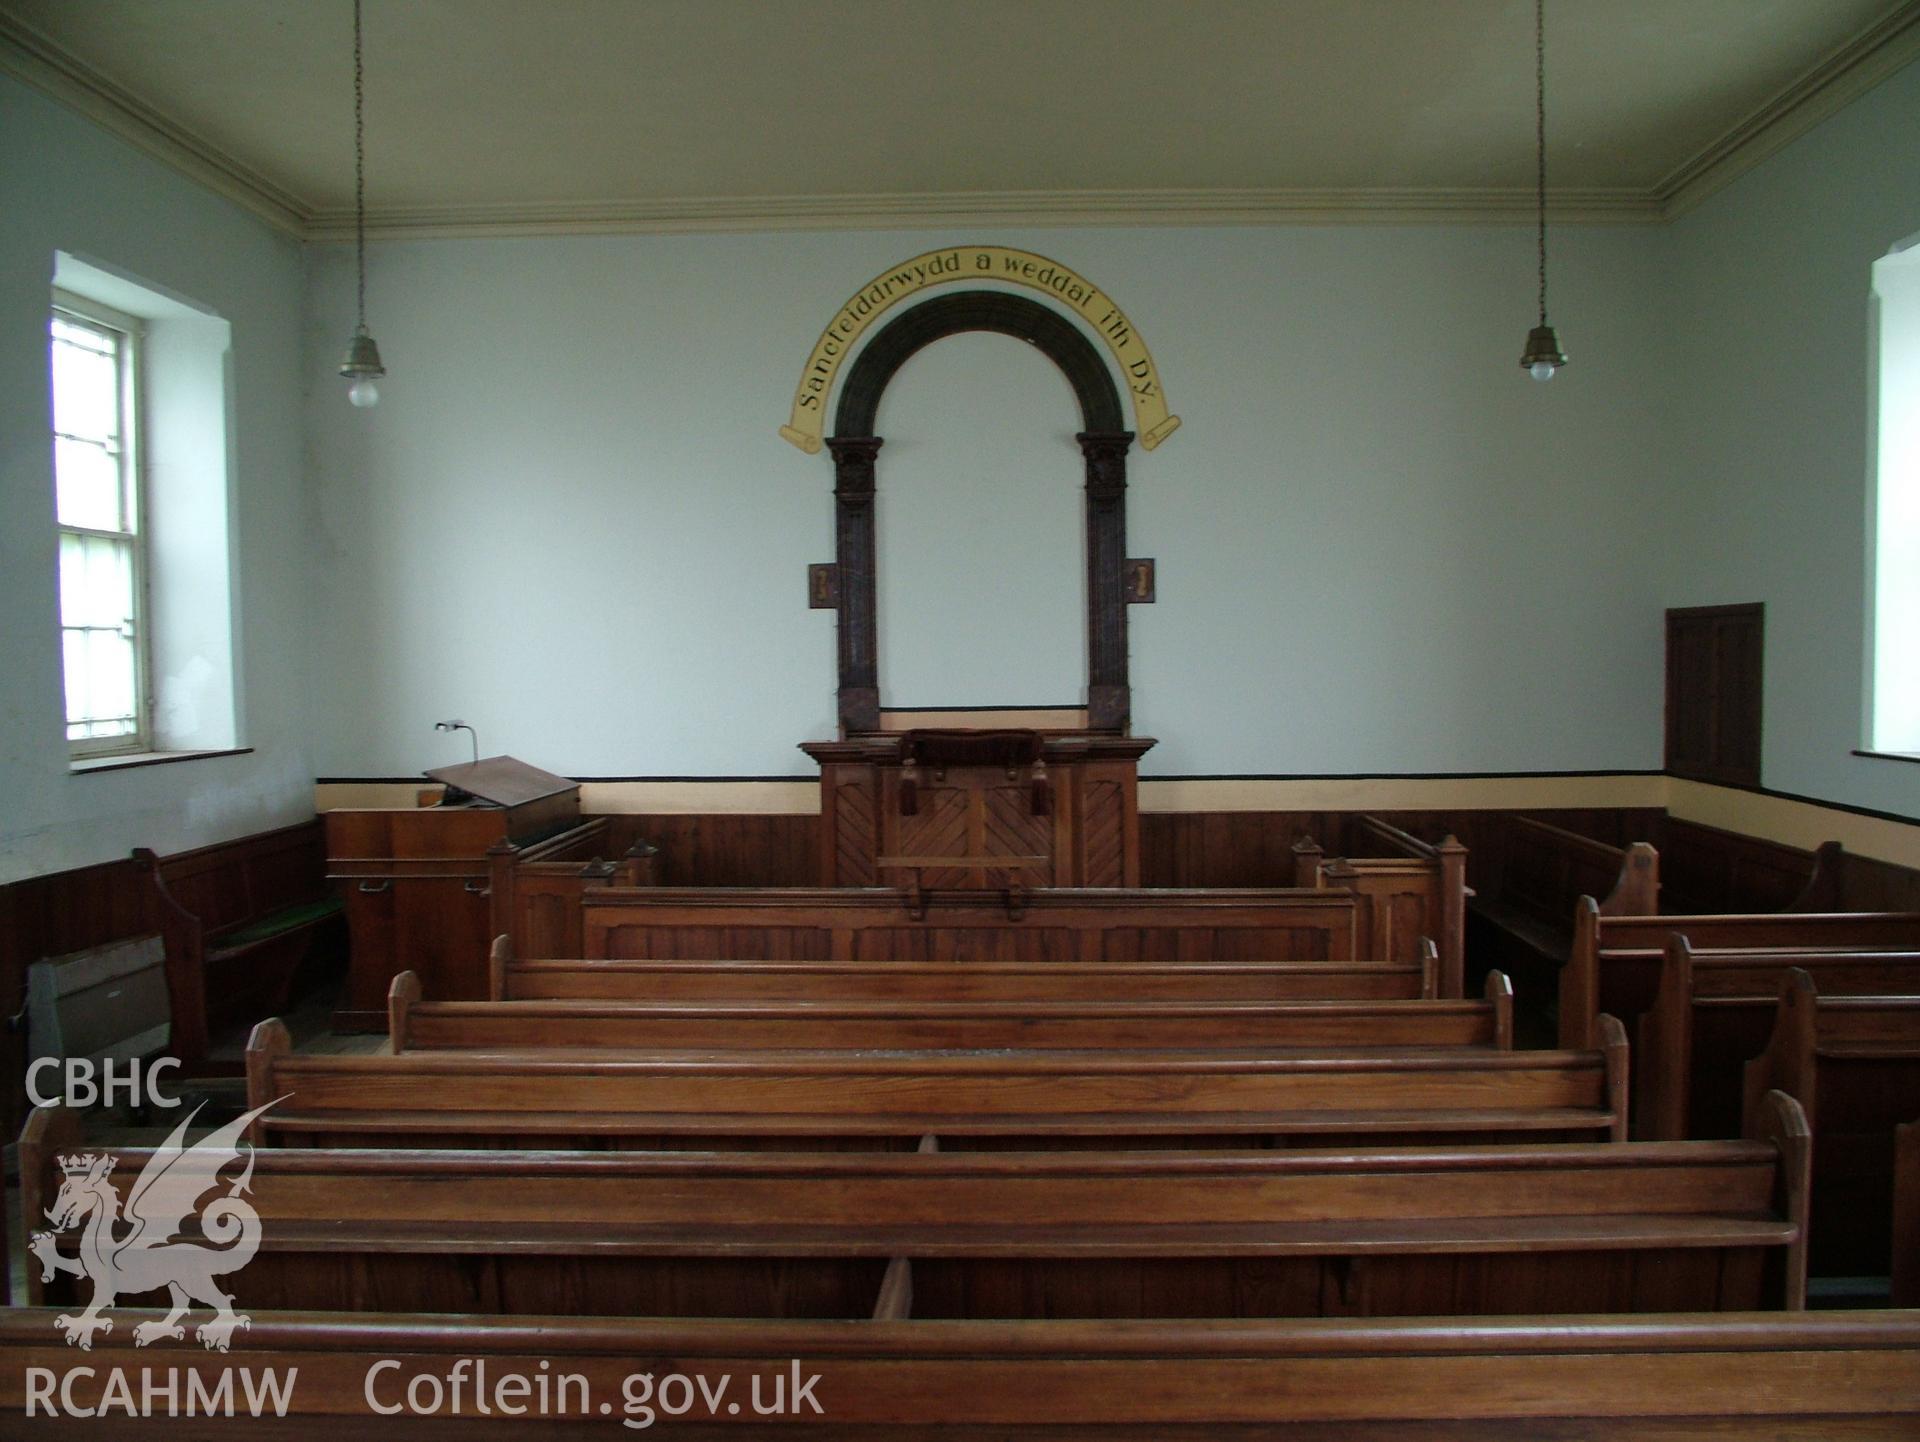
{"x": 1540, "y": 137}
{"x": 359, "y": 167}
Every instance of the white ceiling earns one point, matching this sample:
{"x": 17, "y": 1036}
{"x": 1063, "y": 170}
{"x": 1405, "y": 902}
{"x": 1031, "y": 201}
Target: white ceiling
{"x": 545, "y": 114}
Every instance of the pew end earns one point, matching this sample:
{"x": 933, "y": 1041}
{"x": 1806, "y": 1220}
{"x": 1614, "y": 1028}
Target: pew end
{"x": 1580, "y": 978}
{"x": 1610, "y": 1040}
{"x": 51, "y": 1131}
{"x": 1824, "y": 886}
{"x": 402, "y": 995}
{"x": 1637, "y": 891}
{"x": 1666, "y": 1053}
{"x": 1780, "y": 1120}
{"x": 1307, "y": 856}
{"x": 269, "y": 1044}
{"x": 895, "y": 1302}
{"x": 1499, "y": 995}
{"x": 499, "y": 962}
{"x": 1776, "y": 1068}
{"x": 1429, "y": 968}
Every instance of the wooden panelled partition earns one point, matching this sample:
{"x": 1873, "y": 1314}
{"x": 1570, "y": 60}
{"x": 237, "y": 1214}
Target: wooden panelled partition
{"x": 884, "y": 924}
{"x": 1056, "y": 809}
{"x": 1412, "y": 894}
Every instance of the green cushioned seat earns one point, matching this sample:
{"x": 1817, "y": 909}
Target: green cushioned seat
{"x": 281, "y": 922}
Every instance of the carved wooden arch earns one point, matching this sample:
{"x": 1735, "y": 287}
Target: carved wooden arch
{"x": 1103, "y": 443}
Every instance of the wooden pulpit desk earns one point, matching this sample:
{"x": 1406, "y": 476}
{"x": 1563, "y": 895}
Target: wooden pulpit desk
{"x": 980, "y": 809}
{"x": 415, "y": 880}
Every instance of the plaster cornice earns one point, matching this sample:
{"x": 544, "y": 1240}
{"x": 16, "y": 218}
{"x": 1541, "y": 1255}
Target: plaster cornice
{"x": 1838, "y": 80}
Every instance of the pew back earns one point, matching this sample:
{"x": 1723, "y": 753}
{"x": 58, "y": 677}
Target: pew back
{"x": 1185, "y": 1099}
{"x": 906, "y": 982}
{"x": 1546, "y": 868}
{"x": 416, "y": 1025}
{"x": 1644, "y": 1379}
{"x": 1853, "y": 1064}
{"x": 1615, "y": 963}
{"x": 1701, "y": 1226}
{"x": 1713, "y": 1011}
{"x": 891, "y": 924}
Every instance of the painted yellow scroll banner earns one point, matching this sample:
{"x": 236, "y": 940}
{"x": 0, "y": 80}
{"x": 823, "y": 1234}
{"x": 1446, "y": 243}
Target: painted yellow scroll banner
{"x": 1102, "y": 314}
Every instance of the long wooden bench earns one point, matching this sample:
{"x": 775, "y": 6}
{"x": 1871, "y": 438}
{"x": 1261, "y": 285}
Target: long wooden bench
{"x": 1853, "y": 1064}
{"x": 416, "y": 1025}
{"x": 1706, "y": 869}
{"x": 239, "y": 920}
{"x": 894, "y": 924}
{"x": 1543, "y": 869}
{"x": 1840, "y": 1377}
{"x": 1410, "y": 891}
{"x": 881, "y": 1100}
{"x": 1713, "y": 1011}
{"x": 1580, "y": 1228}
{"x": 552, "y": 979}
{"x": 1615, "y": 964}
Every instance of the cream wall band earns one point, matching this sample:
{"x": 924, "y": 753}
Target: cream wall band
{"x": 807, "y": 426}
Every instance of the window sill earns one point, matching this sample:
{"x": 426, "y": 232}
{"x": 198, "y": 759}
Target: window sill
{"x": 86, "y": 766}
{"x": 1913, "y": 756}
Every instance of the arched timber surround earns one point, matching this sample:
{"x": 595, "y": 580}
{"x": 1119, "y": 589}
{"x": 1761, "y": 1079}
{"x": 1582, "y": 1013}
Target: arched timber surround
{"x": 1103, "y": 444}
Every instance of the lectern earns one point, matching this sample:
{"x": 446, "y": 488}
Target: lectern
{"x": 415, "y": 880}
{"x": 966, "y": 809}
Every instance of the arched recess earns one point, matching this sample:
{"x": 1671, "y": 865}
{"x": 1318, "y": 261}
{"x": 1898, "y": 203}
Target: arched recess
{"x": 1103, "y": 443}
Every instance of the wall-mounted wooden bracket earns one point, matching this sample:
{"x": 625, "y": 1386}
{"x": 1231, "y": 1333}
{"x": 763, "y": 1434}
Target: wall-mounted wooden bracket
{"x": 823, "y": 587}
{"x": 1137, "y": 582}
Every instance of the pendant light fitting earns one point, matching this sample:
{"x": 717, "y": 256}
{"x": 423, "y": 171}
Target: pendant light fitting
{"x": 362, "y": 366}
{"x": 1543, "y": 355}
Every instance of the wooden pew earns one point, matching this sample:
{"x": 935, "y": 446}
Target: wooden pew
{"x": 1712, "y": 1011}
{"x": 903, "y": 981}
{"x": 1836, "y": 1376}
{"x": 895, "y": 924}
{"x": 1906, "y": 1215}
{"x": 534, "y": 890}
{"x": 1853, "y": 1064}
{"x": 1410, "y": 890}
{"x": 1615, "y": 964}
{"x": 416, "y": 1025}
{"x": 239, "y": 920}
{"x": 1582, "y": 1228}
{"x": 1544, "y": 869}
{"x": 1704, "y": 869}
{"x": 868, "y": 1100}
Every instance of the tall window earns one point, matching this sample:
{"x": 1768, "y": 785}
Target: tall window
{"x": 95, "y": 370}
{"x": 1896, "y": 511}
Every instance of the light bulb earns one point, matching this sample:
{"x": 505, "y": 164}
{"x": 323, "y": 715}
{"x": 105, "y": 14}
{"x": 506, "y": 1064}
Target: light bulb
{"x": 364, "y": 393}
{"x": 1542, "y": 370}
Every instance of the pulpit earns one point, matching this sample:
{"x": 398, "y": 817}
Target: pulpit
{"x": 415, "y": 880}
{"x": 967, "y": 809}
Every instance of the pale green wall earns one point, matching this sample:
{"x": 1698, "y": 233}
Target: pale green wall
{"x": 1381, "y": 549}
{"x": 1768, "y": 314}
{"x": 67, "y": 186}
{"x": 1381, "y": 546}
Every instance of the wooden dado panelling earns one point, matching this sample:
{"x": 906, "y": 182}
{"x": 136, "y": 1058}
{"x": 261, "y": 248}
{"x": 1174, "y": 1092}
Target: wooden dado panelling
{"x": 726, "y": 849}
{"x": 1255, "y": 848}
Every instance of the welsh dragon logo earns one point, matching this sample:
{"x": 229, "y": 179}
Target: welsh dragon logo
{"x": 153, "y": 1251}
